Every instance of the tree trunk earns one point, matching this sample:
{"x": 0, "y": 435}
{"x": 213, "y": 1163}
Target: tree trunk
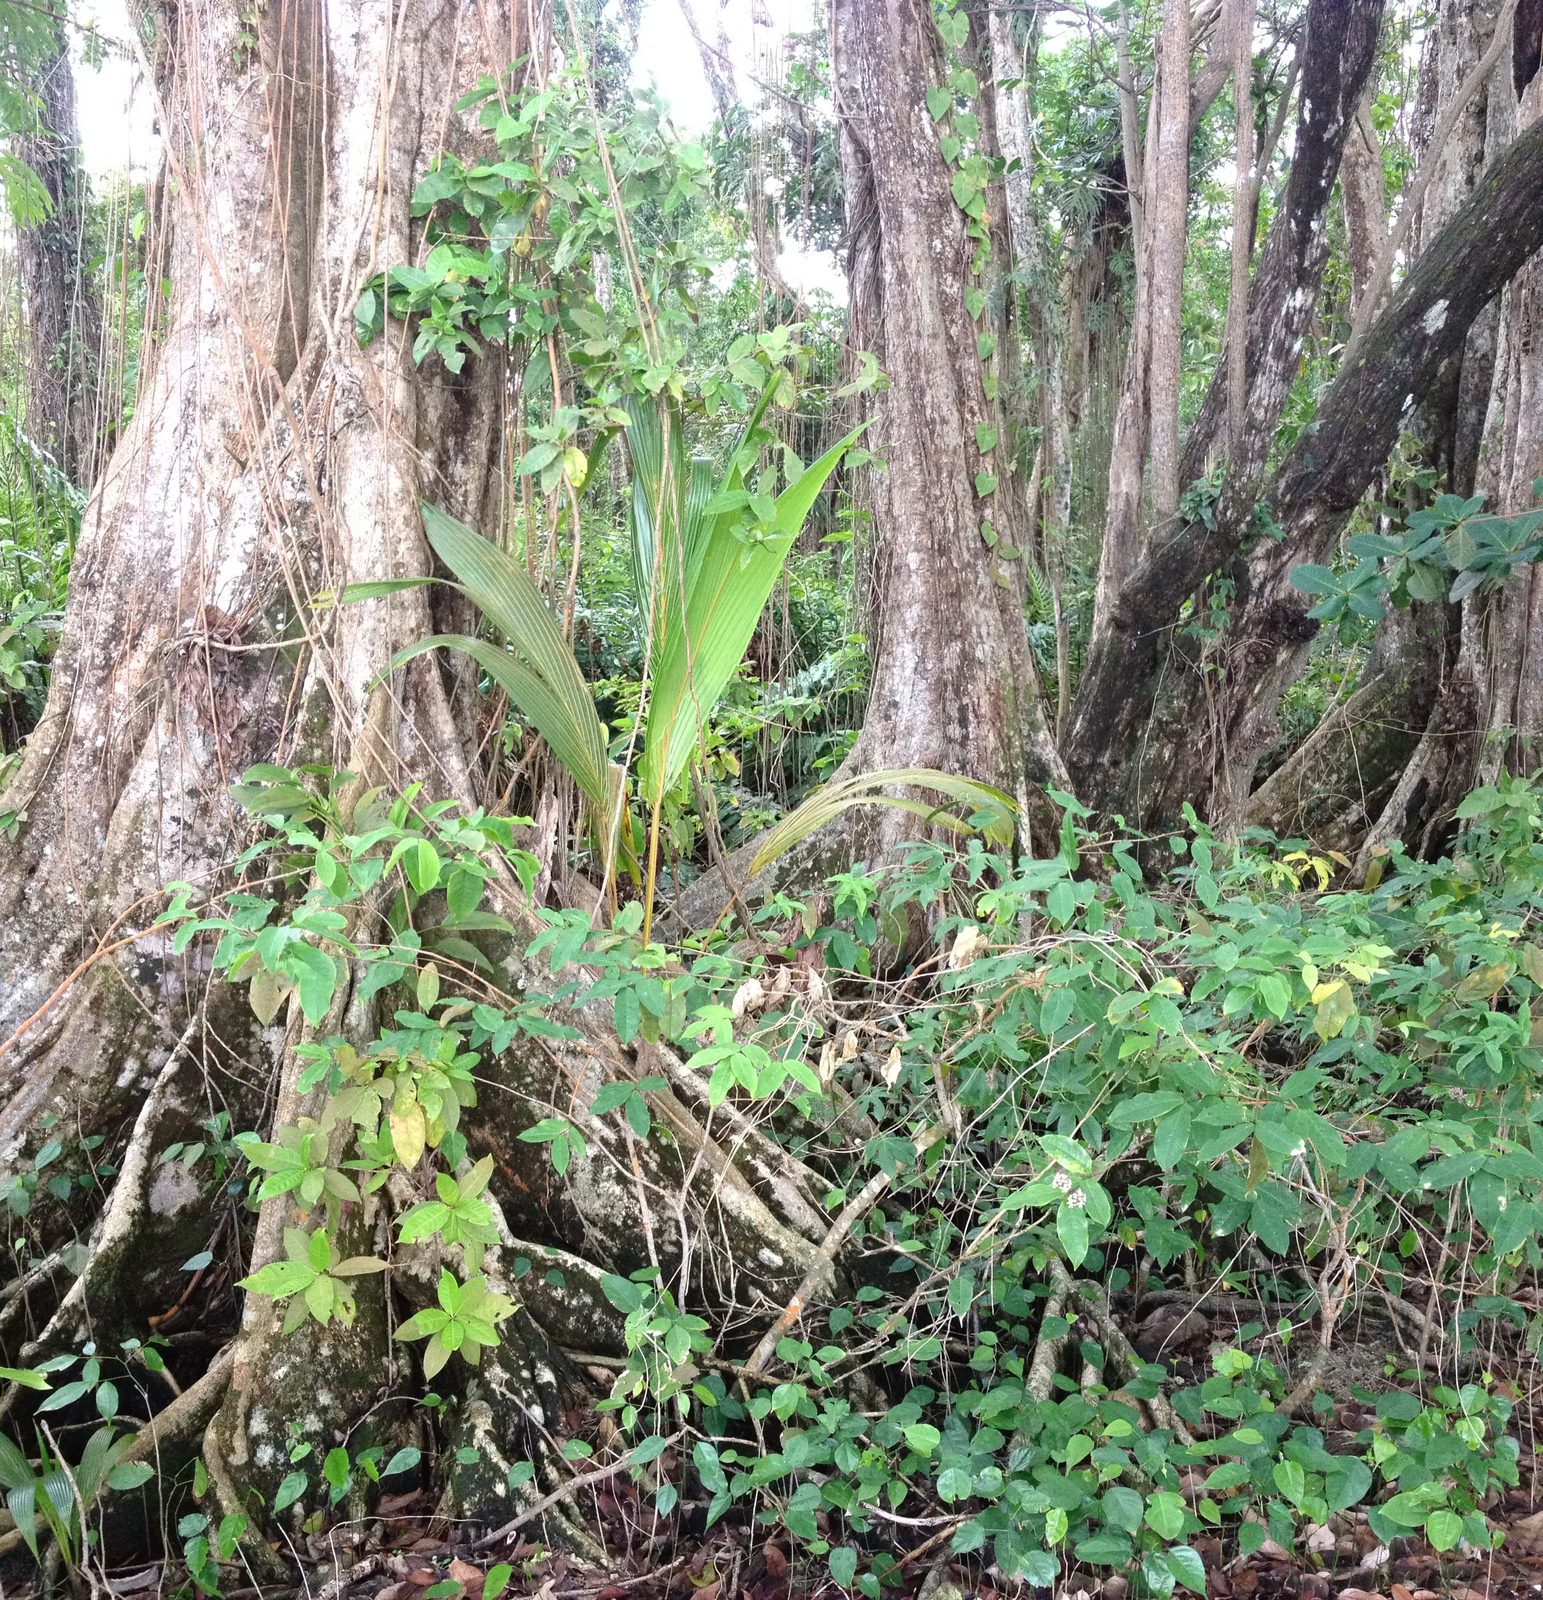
{"x": 61, "y": 312}
{"x": 1167, "y": 223}
{"x": 1108, "y": 746}
{"x": 1319, "y": 483}
{"x": 954, "y": 684}
{"x": 273, "y": 457}
{"x": 1317, "y": 487}
{"x": 1364, "y": 195}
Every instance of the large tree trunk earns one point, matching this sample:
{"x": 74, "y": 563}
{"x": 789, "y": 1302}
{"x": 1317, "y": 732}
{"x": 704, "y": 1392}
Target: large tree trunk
{"x": 61, "y": 312}
{"x": 273, "y": 457}
{"x": 954, "y": 684}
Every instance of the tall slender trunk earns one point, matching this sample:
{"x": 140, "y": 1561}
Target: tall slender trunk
{"x": 1167, "y": 221}
{"x": 1363, "y": 193}
{"x": 62, "y": 309}
{"x": 1240, "y": 24}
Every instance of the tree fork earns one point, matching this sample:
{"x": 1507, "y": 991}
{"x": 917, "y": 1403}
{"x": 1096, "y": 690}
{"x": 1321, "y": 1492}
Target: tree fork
{"x": 1133, "y": 748}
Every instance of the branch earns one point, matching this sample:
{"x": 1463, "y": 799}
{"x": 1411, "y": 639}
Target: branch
{"x": 1477, "y": 252}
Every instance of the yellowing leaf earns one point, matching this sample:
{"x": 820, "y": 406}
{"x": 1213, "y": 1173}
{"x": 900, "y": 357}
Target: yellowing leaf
{"x": 1258, "y": 1166}
{"x": 267, "y": 993}
{"x": 1481, "y": 983}
{"x": 1530, "y": 958}
{"x": 409, "y": 1132}
{"x": 1336, "y": 1006}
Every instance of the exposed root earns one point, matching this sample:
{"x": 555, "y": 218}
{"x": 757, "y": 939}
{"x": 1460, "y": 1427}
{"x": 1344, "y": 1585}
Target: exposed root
{"x": 545, "y": 1504}
{"x": 115, "y": 1232}
{"x": 823, "y": 1269}
{"x": 1049, "y": 1349}
{"x": 188, "y": 1414}
{"x": 1091, "y": 1301}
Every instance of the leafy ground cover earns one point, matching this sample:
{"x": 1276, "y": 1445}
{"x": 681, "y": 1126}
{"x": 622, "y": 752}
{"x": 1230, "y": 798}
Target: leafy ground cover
{"x": 1180, "y": 1237}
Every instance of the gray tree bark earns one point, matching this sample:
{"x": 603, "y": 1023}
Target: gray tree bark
{"x": 273, "y": 457}
{"x": 61, "y": 310}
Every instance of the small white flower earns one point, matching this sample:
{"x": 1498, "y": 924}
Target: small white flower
{"x": 1062, "y": 1180}
{"x": 1076, "y": 1200}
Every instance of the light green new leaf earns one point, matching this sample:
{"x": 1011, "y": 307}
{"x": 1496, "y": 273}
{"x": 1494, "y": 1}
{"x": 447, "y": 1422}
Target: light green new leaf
{"x": 725, "y": 580}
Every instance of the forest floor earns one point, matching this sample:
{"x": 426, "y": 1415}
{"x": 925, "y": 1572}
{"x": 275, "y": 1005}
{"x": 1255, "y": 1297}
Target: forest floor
{"x": 407, "y": 1552}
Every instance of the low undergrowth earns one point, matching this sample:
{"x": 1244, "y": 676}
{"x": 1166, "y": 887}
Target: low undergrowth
{"x": 1109, "y": 1169}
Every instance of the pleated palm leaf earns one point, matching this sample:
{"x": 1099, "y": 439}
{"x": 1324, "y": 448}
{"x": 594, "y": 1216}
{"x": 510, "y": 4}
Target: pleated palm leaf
{"x": 538, "y": 670}
{"x": 702, "y": 583}
{"x": 700, "y": 577}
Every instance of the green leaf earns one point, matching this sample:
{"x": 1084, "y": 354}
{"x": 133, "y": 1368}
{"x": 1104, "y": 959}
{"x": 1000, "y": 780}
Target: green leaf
{"x": 25, "y": 1376}
{"x": 843, "y": 1559}
{"x": 497, "y": 1580}
{"x": 1291, "y": 1480}
{"x": 922, "y": 1437}
{"x": 540, "y": 674}
{"x": 1071, "y": 1226}
{"x": 279, "y": 1278}
{"x": 828, "y": 802}
{"x": 1408, "y": 1510}
{"x": 1443, "y": 1529}
{"x": 1185, "y": 1562}
{"x": 1165, "y": 1514}
{"x": 1171, "y": 1138}
{"x": 727, "y": 584}
{"x": 377, "y": 589}
{"x": 289, "y": 1491}
{"x": 129, "y": 1475}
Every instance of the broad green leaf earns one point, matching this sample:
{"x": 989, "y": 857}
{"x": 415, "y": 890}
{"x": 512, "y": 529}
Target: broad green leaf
{"x": 726, "y": 589}
{"x": 279, "y": 1278}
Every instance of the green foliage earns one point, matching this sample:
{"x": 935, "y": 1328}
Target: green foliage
{"x": 1092, "y": 1041}
{"x": 1451, "y": 536}
{"x": 466, "y": 1319}
{"x": 1441, "y": 1460}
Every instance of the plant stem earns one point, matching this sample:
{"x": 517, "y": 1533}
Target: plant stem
{"x": 653, "y": 868}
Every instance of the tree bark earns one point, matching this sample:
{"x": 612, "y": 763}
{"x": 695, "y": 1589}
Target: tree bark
{"x": 271, "y": 457}
{"x": 954, "y": 684}
{"x": 1144, "y": 706}
{"x": 61, "y": 311}
{"x": 1167, "y": 220}
{"x": 1363, "y": 193}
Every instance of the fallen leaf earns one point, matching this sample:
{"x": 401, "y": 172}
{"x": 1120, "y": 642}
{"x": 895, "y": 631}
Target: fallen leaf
{"x": 465, "y": 1572}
